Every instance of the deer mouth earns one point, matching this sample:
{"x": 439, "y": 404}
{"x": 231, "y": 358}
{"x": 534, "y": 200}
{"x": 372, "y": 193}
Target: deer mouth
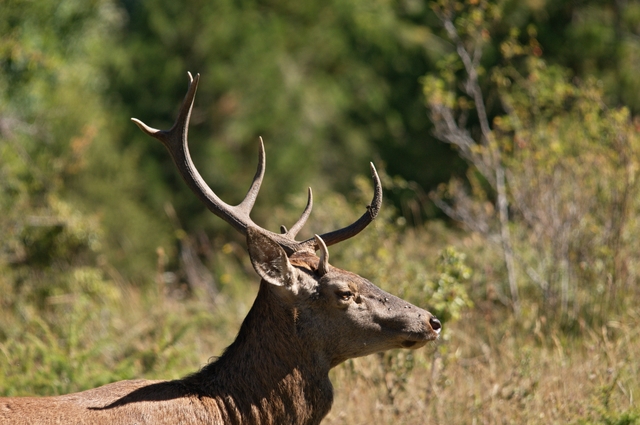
{"x": 408, "y": 344}
{"x": 418, "y": 340}
{"x": 412, "y": 343}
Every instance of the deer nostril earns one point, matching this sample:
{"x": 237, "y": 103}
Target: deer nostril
{"x": 435, "y": 324}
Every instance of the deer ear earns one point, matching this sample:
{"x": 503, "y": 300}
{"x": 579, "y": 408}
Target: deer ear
{"x": 269, "y": 259}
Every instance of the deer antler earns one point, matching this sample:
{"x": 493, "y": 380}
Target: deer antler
{"x": 175, "y": 140}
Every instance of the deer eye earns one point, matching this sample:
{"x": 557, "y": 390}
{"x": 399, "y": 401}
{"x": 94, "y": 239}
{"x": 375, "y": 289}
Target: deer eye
{"x": 344, "y": 295}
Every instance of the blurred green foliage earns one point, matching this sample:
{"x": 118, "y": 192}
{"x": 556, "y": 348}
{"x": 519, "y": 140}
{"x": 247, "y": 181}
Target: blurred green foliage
{"x": 580, "y": 222}
{"x": 569, "y": 161}
{"x": 449, "y": 297}
{"x": 335, "y": 82}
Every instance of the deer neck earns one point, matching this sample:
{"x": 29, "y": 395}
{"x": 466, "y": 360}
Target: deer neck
{"x": 269, "y": 373}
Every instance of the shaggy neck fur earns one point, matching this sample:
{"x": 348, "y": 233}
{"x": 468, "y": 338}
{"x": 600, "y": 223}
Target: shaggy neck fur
{"x": 285, "y": 383}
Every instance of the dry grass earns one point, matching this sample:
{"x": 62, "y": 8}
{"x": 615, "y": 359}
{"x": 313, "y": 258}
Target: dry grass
{"x": 487, "y": 372}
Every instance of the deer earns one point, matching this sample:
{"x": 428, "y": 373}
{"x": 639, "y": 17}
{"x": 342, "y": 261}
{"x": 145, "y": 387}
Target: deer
{"x": 307, "y": 318}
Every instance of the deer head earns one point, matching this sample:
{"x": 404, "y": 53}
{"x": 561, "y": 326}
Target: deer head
{"x": 340, "y": 314}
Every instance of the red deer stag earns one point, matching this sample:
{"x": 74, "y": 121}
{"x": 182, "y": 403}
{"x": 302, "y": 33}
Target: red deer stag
{"x": 307, "y": 318}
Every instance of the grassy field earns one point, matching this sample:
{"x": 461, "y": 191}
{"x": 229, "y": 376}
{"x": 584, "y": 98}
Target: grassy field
{"x": 488, "y": 367}
{"x": 490, "y": 371}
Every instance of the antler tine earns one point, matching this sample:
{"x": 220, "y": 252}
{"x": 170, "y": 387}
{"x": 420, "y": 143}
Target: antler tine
{"x": 332, "y": 238}
{"x": 293, "y": 232}
{"x": 176, "y": 141}
{"x": 373, "y": 209}
{"x": 250, "y": 198}
{"x": 323, "y": 264}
